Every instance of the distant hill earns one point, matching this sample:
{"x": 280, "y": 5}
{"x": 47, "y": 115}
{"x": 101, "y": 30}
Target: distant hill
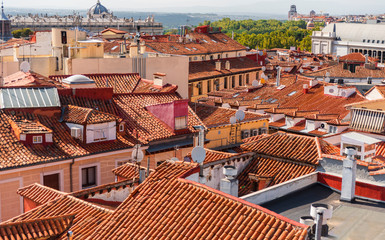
{"x": 169, "y": 20}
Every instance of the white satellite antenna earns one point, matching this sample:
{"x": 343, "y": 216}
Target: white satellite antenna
{"x": 263, "y": 68}
{"x": 255, "y": 83}
{"x": 321, "y": 63}
{"x": 137, "y": 154}
{"x": 25, "y": 67}
{"x": 240, "y": 115}
{"x": 301, "y": 70}
{"x": 327, "y": 79}
{"x": 260, "y": 53}
{"x": 233, "y": 120}
{"x": 198, "y": 154}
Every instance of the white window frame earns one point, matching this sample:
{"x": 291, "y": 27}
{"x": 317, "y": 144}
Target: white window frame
{"x": 102, "y": 130}
{"x": 61, "y": 178}
{"x": 37, "y": 139}
{"x": 179, "y": 127}
{"x": 98, "y": 177}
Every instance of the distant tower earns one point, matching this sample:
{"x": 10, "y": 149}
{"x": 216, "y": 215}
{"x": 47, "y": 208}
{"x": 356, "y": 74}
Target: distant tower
{"x": 5, "y": 25}
{"x": 312, "y": 13}
{"x": 292, "y": 12}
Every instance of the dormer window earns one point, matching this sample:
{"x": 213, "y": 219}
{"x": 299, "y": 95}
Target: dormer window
{"x": 180, "y": 123}
{"x": 121, "y": 127}
{"x": 37, "y": 139}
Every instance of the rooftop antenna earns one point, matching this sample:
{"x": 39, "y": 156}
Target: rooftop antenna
{"x": 137, "y": 156}
{"x": 2, "y": 40}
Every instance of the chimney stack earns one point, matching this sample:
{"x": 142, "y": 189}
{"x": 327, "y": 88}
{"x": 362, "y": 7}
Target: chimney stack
{"x": 278, "y": 83}
{"x": 229, "y": 184}
{"x": 142, "y": 175}
{"x": 366, "y": 58}
{"x": 349, "y": 176}
{"x": 305, "y": 88}
{"x": 159, "y": 79}
{"x": 218, "y": 66}
{"x": 227, "y": 65}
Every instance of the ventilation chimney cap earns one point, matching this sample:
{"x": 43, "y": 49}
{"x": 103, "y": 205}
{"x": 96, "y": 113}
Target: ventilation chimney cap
{"x": 230, "y": 171}
{"x": 350, "y": 151}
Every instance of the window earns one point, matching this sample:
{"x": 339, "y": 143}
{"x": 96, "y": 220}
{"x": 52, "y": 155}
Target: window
{"x": 211, "y": 57}
{"x": 63, "y": 37}
{"x": 88, "y": 177}
{"x": 332, "y": 129}
{"x": 208, "y": 86}
{"x": 216, "y": 83}
{"x": 292, "y": 93}
{"x": 233, "y": 81}
{"x": 121, "y": 127}
{"x": 180, "y": 123}
{"x": 363, "y": 40}
{"x": 37, "y": 139}
{"x": 262, "y": 131}
{"x": 219, "y": 56}
{"x": 373, "y": 41}
{"x": 195, "y": 58}
{"x": 199, "y": 86}
{"x": 100, "y": 135}
{"x": 225, "y": 83}
{"x": 247, "y": 78}
{"x": 52, "y": 181}
{"x": 383, "y": 41}
{"x": 240, "y": 82}
{"x": 378, "y": 41}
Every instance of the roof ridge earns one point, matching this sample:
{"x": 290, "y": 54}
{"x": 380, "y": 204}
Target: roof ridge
{"x": 69, "y": 215}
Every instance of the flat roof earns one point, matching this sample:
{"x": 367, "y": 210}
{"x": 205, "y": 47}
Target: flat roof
{"x": 354, "y": 221}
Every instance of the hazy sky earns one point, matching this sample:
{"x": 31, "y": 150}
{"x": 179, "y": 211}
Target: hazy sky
{"x": 212, "y": 6}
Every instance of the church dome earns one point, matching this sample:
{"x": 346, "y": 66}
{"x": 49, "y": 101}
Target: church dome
{"x": 98, "y": 9}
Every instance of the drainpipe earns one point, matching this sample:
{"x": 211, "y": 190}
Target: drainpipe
{"x": 71, "y": 164}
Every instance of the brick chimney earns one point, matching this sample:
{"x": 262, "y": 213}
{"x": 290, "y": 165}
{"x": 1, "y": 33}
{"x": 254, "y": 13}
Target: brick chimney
{"x": 227, "y": 65}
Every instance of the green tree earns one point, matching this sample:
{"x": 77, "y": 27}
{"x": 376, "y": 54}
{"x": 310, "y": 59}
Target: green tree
{"x": 25, "y": 32}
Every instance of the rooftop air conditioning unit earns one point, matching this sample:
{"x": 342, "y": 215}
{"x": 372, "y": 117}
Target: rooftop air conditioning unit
{"x": 75, "y": 132}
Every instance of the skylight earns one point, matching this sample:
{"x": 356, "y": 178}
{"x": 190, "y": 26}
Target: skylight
{"x": 273, "y": 101}
{"x": 195, "y": 48}
{"x": 236, "y": 95}
{"x": 188, "y": 48}
{"x": 114, "y": 48}
{"x": 204, "y": 40}
{"x": 292, "y": 93}
{"x": 213, "y": 40}
{"x": 257, "y": 97}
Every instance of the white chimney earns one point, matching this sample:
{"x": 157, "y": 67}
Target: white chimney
{"x": 218, "y": 65}
{"x": 142, "y": 175}
{"x": 229, "y": 184}
{"x": 278, "y": 76}
{"x": 366, "y": 58}
{"x": 349, "y": 176}
{"x": 227, "y": 65}
{"x": 159, "y": 79}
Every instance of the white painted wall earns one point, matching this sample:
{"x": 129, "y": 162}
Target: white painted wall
{"x": 114, "y": 196}
{"x": 280, "y": 190}
{"x": 109, "y": 130}
{"x": 374, "y": 95}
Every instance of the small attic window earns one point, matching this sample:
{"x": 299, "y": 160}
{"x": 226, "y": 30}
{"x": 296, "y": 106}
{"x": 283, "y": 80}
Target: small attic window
{"x": 292, "y": 93}
{"x": 236, "y": 95}
{"x": 37, "y": 139}
{"x": 204, "y": 40}
{"x": 378, "y": 41}
{"x": 213, "y": 40}
{"x": 121, "y": 127}
{"x": 383, "y": 41}
{"x": 180, "y": 122}
{"x": 188, "y": 48}
{"x": 373, "y": 41}
{"x": 363, "y": 40}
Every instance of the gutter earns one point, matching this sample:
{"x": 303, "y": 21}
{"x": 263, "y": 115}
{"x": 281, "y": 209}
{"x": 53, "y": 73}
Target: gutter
{"x": 71, "y": 182}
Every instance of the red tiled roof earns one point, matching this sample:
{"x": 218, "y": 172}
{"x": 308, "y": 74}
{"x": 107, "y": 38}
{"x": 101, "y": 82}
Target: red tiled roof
{"x": 147, "y": 86}
{"x": 114, "y": 30}
{"x": 165, "y": 206}
{"x": 280, "y": 171}
{"x": 207, "y": 69}
{"x": 279, "y": 123}
{"x": 120, "y": 82}
{"x": 299, "y": 126}
{"x": 128, "y": 171}
{"x": 379, "y": 88}
{"x": 356, "y": 57}
{"x": 293, "y": 147}
{"x": 80, "y": 115}
{"x": 87, "y": 216}
{"x": 40, "y": 194}
{"x": 338, "y": 122}
{"x": 133, "y": 110}
{"x": 43, "y": 228}
{"x": 254, "y": 138}
{"x": 201, "y": 44}
{"x": 217, "y": 116}
{"x": 301, "y": 114}
{"x": 28, "y": 79}
{"x": 17, "y": 154}
{"x": 338, "y": 71}
{"x": 213, "y": 156}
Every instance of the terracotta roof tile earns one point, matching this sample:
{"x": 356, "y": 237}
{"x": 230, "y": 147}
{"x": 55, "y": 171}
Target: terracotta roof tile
{"x": 128, "y": 171}
{"x": 356, "y": 57}
{"x": 43, "y": 228}
{"x": 207, "y": 69}
{"x": 80, "y": 115}
{"x": 87, "y": 216}
{"x": 165, "y": 206}
{"x": 120, "y": 82}
{"x": 280, "y": 171}
{"x": 213, "y": 156}
{"x": 292, "y": 147}
{"x": 40, "y": 194}
{"x": 217, "y": 116}
{"x": 17, "y": 154}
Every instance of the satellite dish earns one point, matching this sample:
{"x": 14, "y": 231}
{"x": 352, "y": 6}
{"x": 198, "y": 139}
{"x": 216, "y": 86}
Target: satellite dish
{"x": 327, "y": 79}
{"x": 137, "y": 154}
{"x": 321, "y": 63}
{"x": 198, "y": 154}
{"x": 240, "y": 115}
{"x": 260, "y": 53}
{"x": 25, "y": 67}
{"x": 255, "y": 83}
{"x": 233, "y": 120}
{"x": 263, "y": 68}
{"x": 301, "y": 70}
